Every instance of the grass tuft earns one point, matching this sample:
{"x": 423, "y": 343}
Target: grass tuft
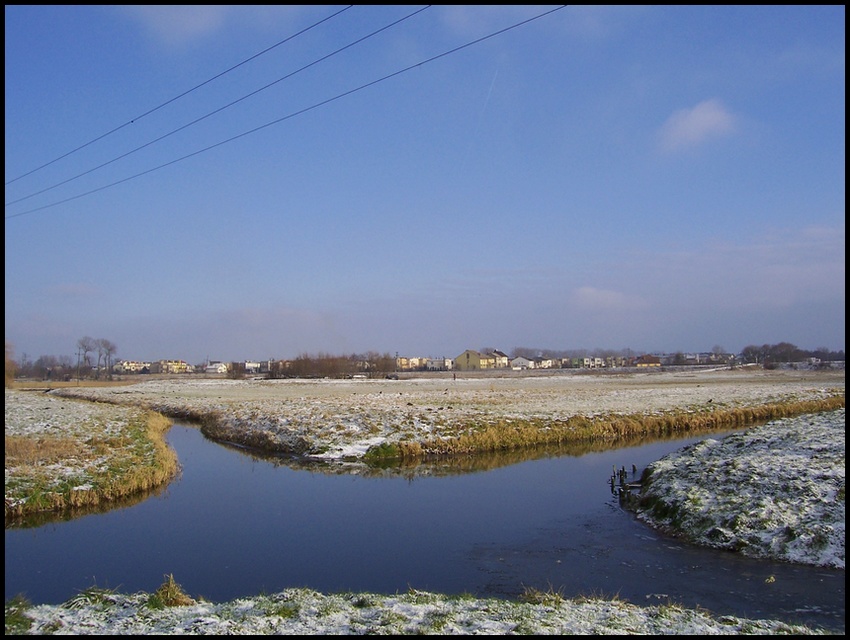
{"x": 549, "y": 597}
{"x": 169, "y": 594}
{"x": 92, "y": 596}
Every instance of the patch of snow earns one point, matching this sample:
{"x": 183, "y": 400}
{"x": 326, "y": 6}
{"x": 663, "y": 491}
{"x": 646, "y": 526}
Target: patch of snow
{"x": 306, "y": 612}
{"x": 775, "y": 491}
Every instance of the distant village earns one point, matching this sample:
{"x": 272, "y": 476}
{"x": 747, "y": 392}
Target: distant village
{"x": 95, "y": 360}
{"x": 469, "y": 360}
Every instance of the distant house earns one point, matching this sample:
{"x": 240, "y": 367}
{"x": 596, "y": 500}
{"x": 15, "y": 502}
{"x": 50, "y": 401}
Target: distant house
{"x": 647, "y": 360}
{"x": 439, "y": 364}
{"x": 171, "y": 366}
{"x": 500, "y": 360}
{"x": 591, "y": 363}
{"x": 469, "y": 360}
{"x": 417, "y": 363}
{"x": 216, "y": 367}
{"x": 520, "y": 363}
{"x": 130, "y": 366}
{"x": 252, "y": 367}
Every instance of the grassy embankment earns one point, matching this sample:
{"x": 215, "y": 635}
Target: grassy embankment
{"x": 516, "y": 434}
{"x": 105, "y": 466}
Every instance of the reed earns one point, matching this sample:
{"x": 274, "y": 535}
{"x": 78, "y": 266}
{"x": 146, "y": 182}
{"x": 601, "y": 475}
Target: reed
{"x": 518, "y": 433}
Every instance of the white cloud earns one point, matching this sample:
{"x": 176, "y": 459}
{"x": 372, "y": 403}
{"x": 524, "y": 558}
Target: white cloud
{"x": 177, "y": 25}
{"x": 691, "y": 127}
{"x": 174, "y": 24}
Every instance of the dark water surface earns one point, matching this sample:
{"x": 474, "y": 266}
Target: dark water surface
{"x": 235, "y": 525}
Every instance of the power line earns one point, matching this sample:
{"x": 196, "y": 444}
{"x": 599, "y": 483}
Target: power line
{"x": 220, "y": 109}
{"x": 175, "y": 98}
{"x": 291, "y": 115}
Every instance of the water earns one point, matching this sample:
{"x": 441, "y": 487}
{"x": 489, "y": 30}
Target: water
{"x": 236, "y": 525}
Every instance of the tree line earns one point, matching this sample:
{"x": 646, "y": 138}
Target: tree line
{"x": 325, "y": 365}
{"x": 773, "y": 354}
{"x": 94, "y": 359}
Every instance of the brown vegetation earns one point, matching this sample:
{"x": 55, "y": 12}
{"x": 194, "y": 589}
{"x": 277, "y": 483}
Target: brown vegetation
{"x": 126, "y": 475}
{"x": 524, "y": 433}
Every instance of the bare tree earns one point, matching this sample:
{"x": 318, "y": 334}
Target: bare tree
{"x": 106, "y": 349}
{"x": 98, "y": 345}
{"x": 85, "y": 346}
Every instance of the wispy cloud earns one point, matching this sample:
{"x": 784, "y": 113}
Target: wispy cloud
{"x": 603, "y": 21}
{"x": 75, "y": 290}
{"x": 174, "y": 24}
{"x": 795, "y": 266}
{"x": 476, "y": 20}
{"x": 593, "y": 299}
{"x": 690, "y": 127}
{"x": 177, "y": 25}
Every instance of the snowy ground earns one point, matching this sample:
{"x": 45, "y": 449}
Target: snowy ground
{"x": 777, "y": 490}
{"x": 305, "y": 612}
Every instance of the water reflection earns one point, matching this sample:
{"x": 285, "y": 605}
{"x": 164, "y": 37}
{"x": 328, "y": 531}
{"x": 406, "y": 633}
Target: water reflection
{"x": 52, "y": 517}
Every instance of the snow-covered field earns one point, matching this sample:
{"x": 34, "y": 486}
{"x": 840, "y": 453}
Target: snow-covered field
{"x": 776, "y": 490}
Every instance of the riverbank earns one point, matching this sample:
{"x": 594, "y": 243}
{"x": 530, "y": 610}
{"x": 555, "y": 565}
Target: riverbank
{"x": 63, "y": 454}
{"x": 306, "y": 612}
{"x": 775, "y": 491}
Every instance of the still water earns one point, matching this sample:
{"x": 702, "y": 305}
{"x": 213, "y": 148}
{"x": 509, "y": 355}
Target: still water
{"x": 236, "y": 525}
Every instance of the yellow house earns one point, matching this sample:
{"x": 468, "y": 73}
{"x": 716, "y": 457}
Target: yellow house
{"x": 469, "y": 360}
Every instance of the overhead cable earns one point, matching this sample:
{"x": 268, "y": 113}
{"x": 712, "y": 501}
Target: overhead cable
{"x": 212, "y": 113}
{"x": 289, "y": 116}
{"x": 175, "y": 98}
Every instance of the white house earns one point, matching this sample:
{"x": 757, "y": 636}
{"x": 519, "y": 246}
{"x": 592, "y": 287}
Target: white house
{"x": 252, "y": 367}
{"x": 439, "y": 364}
{"x": 519, "y": 363}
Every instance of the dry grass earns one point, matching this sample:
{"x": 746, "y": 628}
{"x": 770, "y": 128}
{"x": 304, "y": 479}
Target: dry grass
{"x": 520, "y": 434}
{"x": 139, "y": 460}
{"x": 24, "y": 451}
{"x": 169, "y": 594}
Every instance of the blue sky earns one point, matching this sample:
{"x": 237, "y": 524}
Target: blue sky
{"x": 211, "y": 182}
